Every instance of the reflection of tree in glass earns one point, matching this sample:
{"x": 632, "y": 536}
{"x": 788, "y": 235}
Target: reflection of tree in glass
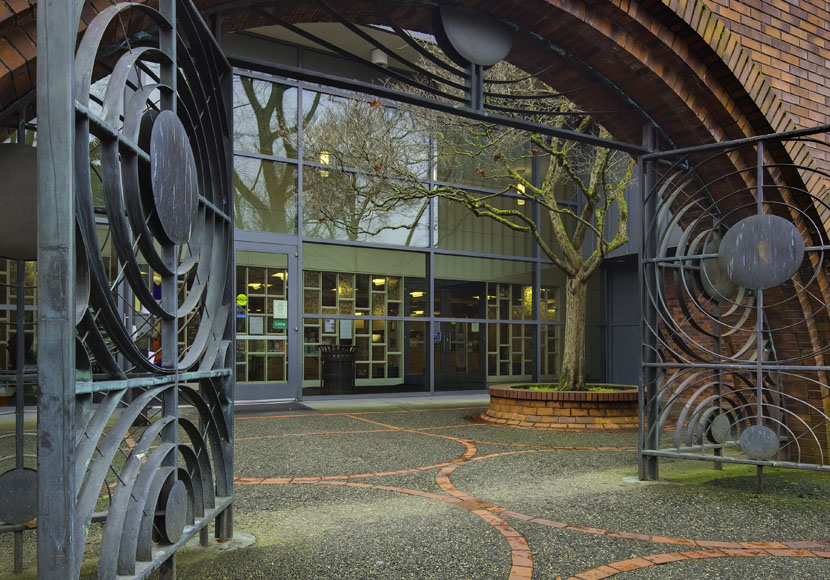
{"x": 362, "y": 148}
{"x": 265, "y": 121}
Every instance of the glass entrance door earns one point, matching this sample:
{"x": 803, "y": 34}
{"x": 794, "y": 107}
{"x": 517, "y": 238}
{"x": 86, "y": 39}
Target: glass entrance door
{"x": 266, "y": 322}
{"x": 459, "y": 356}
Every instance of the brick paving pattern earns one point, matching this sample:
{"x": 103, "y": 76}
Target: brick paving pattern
{"x": 515, "y": 545}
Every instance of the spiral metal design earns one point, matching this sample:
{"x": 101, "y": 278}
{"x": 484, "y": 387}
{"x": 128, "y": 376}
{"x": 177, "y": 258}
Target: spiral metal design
{"x": 155, "y": 264}
{"x": 735, "y": 300}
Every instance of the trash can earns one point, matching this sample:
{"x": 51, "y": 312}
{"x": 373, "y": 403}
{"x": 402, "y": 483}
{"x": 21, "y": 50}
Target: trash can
{"x": 338, "y": 369}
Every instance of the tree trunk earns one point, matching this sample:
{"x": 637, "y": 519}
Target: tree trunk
{"x": 573, "y": 353}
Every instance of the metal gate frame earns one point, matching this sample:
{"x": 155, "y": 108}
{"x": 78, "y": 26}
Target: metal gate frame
{"x": 161, "y": 476}
{"x": 703, "y": 395}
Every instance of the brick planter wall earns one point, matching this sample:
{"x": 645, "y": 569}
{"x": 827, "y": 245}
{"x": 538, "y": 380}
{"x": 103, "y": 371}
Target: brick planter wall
{"x": 571, "y": 410}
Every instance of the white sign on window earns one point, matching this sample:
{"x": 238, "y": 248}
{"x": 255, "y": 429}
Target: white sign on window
{"x": 280, "y": 308}
{"x": 346, "y": 329}
{"x": 255, "y": 325}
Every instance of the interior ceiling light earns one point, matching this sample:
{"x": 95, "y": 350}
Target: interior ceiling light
{"x": 325, "y": 159}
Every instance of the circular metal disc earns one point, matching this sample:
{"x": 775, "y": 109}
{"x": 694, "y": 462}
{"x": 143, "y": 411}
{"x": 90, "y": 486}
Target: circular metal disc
{"x": 175, "y": 512}
{"x": 173, "y": 171}
{"x": 761, "y": 251}
{"x": 477, "y": 37}
{"x": 760, "y": 442}
{"x": 18, "y": 496}
{"x": 18, "y": 202}
{"x": 720, "y": 428}
{"x": 716, "y": 282}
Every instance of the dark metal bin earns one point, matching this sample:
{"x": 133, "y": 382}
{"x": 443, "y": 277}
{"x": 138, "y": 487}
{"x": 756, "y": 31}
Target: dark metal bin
{"x": 338, "y": 369}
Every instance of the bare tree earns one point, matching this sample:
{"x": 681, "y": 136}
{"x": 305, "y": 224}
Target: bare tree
{"x": 577, "y": 237}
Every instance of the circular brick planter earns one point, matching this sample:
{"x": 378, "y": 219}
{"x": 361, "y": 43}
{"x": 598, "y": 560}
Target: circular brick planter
{"x": 571, "y": 410}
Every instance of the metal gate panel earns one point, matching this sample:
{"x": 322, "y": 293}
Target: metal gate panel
{"x": 136, "y": 285}
{"x": 735, "y": 302}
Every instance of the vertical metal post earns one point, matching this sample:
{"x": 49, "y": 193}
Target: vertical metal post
{"x": 536, "y": 209}
{"x": 19, "y": 404}
{"x": 431, "y": 325}
{"x": 20, "y": 354}
{"x": 759, "y": 316}
{"x": 718, "y": 340}
{"x": 648, "y": 436}
{"x": 475, "y": 92}
{"x": 169, "y": 283}
{"x": 759, "y": 305}
{"x": 429, "y": 286}
{"x": 57, "y": 27}
{"x": 224, "y": 521}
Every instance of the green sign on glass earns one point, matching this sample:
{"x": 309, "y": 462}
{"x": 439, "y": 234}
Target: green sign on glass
{"x": 280, "y": 324}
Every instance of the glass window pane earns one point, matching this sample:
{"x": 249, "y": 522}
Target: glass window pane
{"x": 468, "y": 156}
{"x": 341, "y": 205}
{"x": 458, "y": 295}
{"x": 459, "y": 229}
{"x": 362, "y": 155}
{"x": 265, "y": 196}
{"x": 264, "y": 117}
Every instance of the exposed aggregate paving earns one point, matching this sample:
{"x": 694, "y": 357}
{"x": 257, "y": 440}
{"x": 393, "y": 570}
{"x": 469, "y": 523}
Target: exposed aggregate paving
{"x": 587, "y": 488}
{"x": 417, "y": 491}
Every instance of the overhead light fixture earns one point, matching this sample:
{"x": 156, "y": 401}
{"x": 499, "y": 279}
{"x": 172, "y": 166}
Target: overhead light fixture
{"x": 378, "y": 281}
{"x": 520, "y": 187}
{"x": 280, "y": 275}
{"x": 379, "y": 58}
{"x": 417, "y": 293}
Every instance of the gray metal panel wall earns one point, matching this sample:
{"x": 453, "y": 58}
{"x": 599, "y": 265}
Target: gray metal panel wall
{"x": 623, "y": 302}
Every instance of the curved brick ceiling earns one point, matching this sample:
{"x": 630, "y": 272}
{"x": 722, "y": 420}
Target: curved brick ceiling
{"x": 689, "y": 76}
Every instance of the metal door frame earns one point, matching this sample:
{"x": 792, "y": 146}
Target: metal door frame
{"x": 293, "y": 386}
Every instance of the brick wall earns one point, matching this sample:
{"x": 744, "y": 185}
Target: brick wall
{"x": 570, "y": 411}
{"x": 789, "y": 41}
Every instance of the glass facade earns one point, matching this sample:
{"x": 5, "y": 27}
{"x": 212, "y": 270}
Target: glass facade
{"x": 427, "y": 295}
